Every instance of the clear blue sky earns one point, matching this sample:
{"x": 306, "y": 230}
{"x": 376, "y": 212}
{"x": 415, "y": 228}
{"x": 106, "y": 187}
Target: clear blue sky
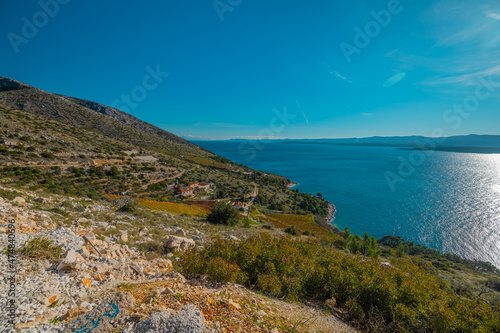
{"x": 232, "y": 62}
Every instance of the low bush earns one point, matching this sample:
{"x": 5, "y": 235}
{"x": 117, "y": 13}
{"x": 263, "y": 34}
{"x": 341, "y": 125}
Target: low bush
{"x": 8, "y": 194}
{"x": 292, "y": 230}
{"x": 41, "y": 248}
{"x": 128, "y": 208}
{"x": 407, "y": 296}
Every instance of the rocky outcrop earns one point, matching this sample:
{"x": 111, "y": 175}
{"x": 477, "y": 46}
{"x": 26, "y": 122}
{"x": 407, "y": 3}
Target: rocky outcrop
{"x": 175, "y": 243}
{"x": 106, "y": 316}
{"x": 187, "y": 319}
{"x": 88, "y": 268}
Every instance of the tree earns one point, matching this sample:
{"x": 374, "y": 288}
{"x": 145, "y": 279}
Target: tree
{"x": 223, "y": 213}
{"x": 346, "y": 234}
{"x": 400, "y": 250}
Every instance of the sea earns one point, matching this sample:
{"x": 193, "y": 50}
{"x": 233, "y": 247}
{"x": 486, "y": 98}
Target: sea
{"x": 443, "y": 200}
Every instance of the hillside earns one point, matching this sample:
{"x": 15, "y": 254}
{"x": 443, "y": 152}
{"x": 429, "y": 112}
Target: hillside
{"x": 104, "y": 211}
{"x": 90, "y": 115}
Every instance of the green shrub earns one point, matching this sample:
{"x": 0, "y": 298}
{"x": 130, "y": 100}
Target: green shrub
{"x": 494, "y": 283}
{"x": 48, "y": 155}
{"x": 247, "y": 223}
{"x": 60, "y": 211}
{"x": 408, "y": 296}
{"x": 223, "y": 213}
{"x": 41, "y": 248}
{"x": 8, "y": 194}
{"x": 292, "y": 230}
{"x": 129, "y": 207}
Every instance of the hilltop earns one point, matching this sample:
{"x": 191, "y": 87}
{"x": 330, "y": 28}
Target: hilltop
{"x": 109, "y": 121}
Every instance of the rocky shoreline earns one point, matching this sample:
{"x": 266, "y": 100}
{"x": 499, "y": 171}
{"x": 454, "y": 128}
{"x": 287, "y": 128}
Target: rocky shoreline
{"x": 331, "y": 212}
{"x": 326, "y": 222}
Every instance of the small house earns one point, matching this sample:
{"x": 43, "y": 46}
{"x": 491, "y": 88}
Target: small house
{"x": 11, "y": 143}
{"x": 185, "y": 191}
{"x": 238, "y": 205}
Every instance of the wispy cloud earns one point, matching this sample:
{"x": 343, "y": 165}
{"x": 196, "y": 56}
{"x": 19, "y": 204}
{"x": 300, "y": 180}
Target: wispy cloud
{"x": 307, "y": 121}
{"x": 466, "y": 44}
{"x": 494, "y": 15}
{"x": 466, "y": 79}
{"x": 340, "y": 76}
{"x": 366, "y": 114}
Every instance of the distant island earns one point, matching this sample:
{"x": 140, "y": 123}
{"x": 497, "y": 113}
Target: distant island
{"x": 473, "y": 143}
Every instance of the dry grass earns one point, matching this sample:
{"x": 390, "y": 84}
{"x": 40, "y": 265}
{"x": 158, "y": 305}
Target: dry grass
{"x": 301, "y": 222}
{"x": 171, "y": 207}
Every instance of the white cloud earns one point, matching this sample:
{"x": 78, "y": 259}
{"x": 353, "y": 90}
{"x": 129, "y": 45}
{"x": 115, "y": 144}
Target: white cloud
{"x": 494, "y": 16}
{"x": 466, "y": 79}
{"x": 366, "y": 114}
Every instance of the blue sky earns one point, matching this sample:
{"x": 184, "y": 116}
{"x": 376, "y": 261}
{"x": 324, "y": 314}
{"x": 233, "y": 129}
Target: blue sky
{"x": 260, "y": 69}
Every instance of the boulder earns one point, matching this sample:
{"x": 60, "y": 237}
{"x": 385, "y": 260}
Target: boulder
{"x": 72, "y": 261}
{"x": 163, "y": 265}
{"x": 124, "y": 236}
{"x": 74, "y": 312}
{"x": 261, "y": 313}
{"x": 19, "y": 201}
{"x": 233, "y": 305}
{"x": 87, "y": 233}
{"x": 331, "y": 303}
{"x": 102, "y": 268}
{"x": 143, "y": 232}
{"x": 180, "y": 232}
{"x": 177, "y": 276}
{"x": 197, "y": 239}
{"x": 187, "y": 319}
{"x": 175, "y": 243}
{"x": 105, "y": 316}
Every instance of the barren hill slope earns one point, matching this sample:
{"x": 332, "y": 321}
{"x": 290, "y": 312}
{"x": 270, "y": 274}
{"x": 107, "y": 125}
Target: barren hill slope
{"x": 94, "y": 116}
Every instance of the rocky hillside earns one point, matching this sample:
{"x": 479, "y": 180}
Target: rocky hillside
{"x": 74, "y": 278}
{"x": 94, "y": 116}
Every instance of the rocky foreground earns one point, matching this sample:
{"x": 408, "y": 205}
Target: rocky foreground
{"x": 105, "y": 286}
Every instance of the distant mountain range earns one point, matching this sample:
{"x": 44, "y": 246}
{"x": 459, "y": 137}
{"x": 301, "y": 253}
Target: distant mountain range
{"x": 472, "y": 140}
{"x": 94, "y": 116}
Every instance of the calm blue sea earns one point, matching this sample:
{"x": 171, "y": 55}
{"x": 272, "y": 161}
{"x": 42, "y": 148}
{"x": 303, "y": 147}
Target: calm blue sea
{"x": 446, "y": 201}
